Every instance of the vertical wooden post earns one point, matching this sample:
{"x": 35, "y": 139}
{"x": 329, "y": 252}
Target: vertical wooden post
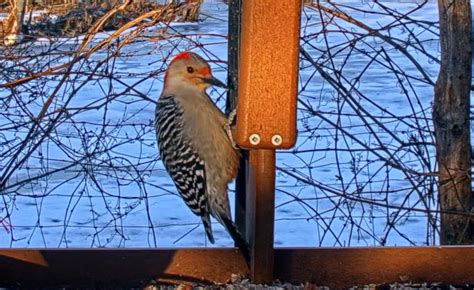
{"x": 268, "y": 74}
{"x": 266, "y": 114}
{"x": 451, "y": 122}
{"x": 260, "y": 213}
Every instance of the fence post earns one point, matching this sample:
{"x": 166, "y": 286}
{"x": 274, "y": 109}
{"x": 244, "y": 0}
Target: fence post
{"x": 261, "y": 213}
{"x": 266, "y": 114}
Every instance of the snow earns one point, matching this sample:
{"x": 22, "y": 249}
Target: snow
{"x": 71, "y": 209}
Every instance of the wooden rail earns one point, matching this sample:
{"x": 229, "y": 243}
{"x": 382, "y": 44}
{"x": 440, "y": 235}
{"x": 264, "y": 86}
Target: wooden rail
{"x": 332, "y": 267}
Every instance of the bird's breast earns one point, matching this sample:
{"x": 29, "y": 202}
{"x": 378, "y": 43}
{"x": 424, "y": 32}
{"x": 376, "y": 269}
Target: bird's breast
{"x": 204, "y": 124}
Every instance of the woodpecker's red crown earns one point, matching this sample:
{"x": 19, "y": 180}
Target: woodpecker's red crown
{"x": 181, "y": 55}
{"x": 190, "y": 68}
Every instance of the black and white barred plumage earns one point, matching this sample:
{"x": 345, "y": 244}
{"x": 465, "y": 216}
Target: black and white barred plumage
{"x": 194, "y": 143}
{"x": 186, "y": 168}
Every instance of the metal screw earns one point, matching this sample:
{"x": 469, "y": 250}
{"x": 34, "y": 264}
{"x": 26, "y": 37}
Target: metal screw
{"x": 254, "y": 139}
{"x": 277, "y": 140}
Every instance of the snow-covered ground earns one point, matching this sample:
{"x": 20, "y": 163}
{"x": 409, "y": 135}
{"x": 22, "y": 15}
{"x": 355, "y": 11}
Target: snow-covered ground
{"x": 34, "y": 15}
{"x": 75, "y": 209}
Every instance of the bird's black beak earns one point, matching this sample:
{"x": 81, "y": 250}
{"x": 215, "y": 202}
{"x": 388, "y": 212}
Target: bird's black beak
{"x": 214, "y": 82}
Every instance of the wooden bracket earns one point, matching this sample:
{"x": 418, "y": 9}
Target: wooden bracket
{"x": 268, "y": 74}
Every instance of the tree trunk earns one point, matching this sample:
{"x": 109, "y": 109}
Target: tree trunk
{"x": 451, "y": 123}
{"x": 13, "y": 32}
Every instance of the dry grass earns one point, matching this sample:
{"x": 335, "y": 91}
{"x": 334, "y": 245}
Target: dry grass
{"x": 77, "y": 18}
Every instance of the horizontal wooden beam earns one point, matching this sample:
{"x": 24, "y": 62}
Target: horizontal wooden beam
{"x": 28, "y": 256}
{"x": 347, "y": 267}
{"x": 119, "y": 267}
{"x": 333, "y": 267}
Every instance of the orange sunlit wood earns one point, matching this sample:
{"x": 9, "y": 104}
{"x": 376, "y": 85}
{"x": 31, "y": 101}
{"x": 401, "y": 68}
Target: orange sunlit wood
{"x": 338, "y": 268}
{"x": 261, "y": 213}
{"x": 30, "y": 256}
{"x": 268, "y": 74}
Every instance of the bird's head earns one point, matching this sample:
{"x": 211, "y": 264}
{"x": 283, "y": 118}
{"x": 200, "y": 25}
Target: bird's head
{"x": 188, "y": 68}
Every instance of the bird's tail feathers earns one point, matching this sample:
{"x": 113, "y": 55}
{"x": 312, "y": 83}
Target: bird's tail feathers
{"x": 206, "y": 220}
{"x": 238, "y": 238}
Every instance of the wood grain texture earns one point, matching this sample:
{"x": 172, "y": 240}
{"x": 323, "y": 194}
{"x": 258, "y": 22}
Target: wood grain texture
{"x": 451, "y": 111}
{"x": 268, "y": 72}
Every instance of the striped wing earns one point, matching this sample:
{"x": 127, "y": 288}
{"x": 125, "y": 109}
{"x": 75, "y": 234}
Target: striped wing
{"x": 186, "y": 168}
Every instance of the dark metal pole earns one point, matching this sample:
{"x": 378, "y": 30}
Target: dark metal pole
{"x": 233, "y": 54}
{"x": 232, "y": 77}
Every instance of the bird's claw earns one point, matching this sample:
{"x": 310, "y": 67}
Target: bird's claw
{"x": 231, "y": 117}
{"x": 231, "y": 138}
{"x": 228, "y": 129}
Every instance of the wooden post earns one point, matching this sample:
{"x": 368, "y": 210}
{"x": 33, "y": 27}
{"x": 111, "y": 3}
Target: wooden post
{"x": 451, "y": 122}
{"x": 261, "y": 213}
{"x": 266, "y": 114}
{"x": 268, "y": 74}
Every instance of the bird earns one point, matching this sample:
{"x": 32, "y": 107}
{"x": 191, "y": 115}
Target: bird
{"x": 195, "y": 143}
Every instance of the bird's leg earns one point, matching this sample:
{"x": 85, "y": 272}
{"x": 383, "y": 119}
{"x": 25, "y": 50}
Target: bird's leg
{"x": 231, "y": 117}
{"x": 228, "y": 129}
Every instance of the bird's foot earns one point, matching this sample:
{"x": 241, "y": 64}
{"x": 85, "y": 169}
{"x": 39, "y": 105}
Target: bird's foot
{"x": 228, "y": 129}
{"x": 231, "y": 117}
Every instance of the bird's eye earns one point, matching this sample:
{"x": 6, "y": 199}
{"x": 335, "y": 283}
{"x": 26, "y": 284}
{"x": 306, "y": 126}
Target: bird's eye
{"x": 190, "y": 69}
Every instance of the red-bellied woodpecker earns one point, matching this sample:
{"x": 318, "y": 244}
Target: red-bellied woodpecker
{"x": 192, "y": 135}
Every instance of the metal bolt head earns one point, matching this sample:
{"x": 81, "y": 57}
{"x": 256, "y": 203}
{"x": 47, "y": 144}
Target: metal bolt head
{"x": 277, "y": 140}
{"x": 254, "y": 139}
